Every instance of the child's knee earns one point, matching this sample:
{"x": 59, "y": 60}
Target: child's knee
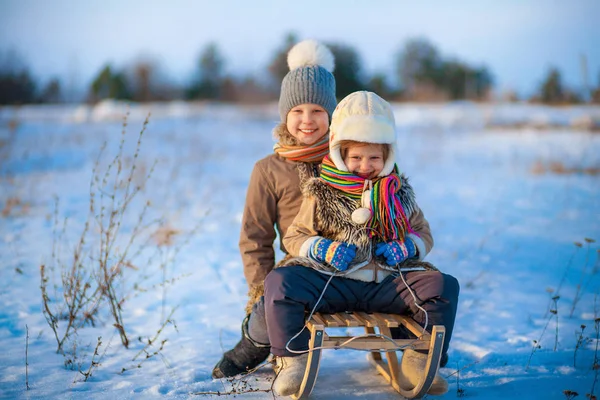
{"x": 436, "y": 284}
{"x": 451, "y": 286}
{"x": 278, "y": 280}
{"x": 274, "y": 279}
{"x": 274, "y": 283}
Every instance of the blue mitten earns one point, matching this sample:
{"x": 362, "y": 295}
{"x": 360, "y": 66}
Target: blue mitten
{"x": 395, "y": 251}
{"x": 337, "y": 254}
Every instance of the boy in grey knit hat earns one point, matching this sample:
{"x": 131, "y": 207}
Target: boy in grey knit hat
{"x": 306, "y": 103}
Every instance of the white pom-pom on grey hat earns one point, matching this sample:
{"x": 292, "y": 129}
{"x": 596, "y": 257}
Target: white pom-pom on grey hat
{"x": 310, "y": 52}
{"x": 310, "y": 79}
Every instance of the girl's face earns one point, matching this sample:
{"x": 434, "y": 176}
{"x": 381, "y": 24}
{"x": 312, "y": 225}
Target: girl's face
{"x": 365, "y": 160}
{"x": 307, "y": 123}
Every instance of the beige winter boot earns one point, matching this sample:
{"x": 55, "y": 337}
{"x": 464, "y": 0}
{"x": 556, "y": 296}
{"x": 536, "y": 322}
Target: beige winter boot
{"x": 412, "y": 370}
{"x": 290, "y": 371}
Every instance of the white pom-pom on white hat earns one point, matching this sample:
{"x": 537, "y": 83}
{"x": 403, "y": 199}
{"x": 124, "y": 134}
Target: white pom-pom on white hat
{"x": 310, "y": 52}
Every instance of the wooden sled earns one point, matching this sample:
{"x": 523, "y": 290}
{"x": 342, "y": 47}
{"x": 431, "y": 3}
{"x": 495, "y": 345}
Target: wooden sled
{"x": 383, "y": 322}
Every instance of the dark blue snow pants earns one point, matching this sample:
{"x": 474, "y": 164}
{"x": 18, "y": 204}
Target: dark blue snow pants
{"x": 291, "y": 293}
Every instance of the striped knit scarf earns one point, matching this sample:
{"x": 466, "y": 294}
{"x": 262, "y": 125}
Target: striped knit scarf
{"x": 302, "y": 153}
{"x": 388, "y": 220}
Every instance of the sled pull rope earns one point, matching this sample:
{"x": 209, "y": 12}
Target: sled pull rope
{"x": 415, "y": 300}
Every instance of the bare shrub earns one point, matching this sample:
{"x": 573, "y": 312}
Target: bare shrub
{"x": 99, "y": 274}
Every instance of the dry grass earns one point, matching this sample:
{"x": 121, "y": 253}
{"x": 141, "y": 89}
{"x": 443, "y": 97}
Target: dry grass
{"x": 14, "y": 206}
{"x": 558, "y": 168}
{"x": 164, "y": 235}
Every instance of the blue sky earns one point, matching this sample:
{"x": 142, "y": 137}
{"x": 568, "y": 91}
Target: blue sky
{"x": 517, "y": 40}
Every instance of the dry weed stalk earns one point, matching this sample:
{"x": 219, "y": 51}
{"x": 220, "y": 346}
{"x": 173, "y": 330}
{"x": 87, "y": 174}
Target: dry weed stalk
{"x": 536, "y": 343}
{"x": 578, "y": 245}
{"x": 596, "y": 364}
{"x": 579, "y": 291}
{"x": 151, "y": 342}
{"x": 569, "y": 394}
{"x": 594, "y": 271}
{"x": 93, "y": 363}
{"x": 460, "y": 392}
{"x": 241, "y": 385}
{"x": 554, "y": 311}
{"x": 581, "y": 340}
{"x": 27, "y": 357}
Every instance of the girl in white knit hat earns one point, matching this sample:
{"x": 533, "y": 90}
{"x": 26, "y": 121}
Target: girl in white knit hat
{"x": 359, "y": 222}
{"x": 273, "y": 199}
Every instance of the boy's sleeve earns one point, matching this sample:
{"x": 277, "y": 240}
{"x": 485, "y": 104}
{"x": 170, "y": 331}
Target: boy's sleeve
{"x": 422, "y": 236}
{"x": 258, "y": 228}
{"x": 303, "y": 231}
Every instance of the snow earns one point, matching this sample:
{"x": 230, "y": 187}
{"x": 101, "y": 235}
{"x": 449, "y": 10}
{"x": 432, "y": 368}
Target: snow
{"x": 505, "y": 221}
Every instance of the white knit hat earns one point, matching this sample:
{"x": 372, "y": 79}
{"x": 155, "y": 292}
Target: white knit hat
{"x": 363, "y": 117}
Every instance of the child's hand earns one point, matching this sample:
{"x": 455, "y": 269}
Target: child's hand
{"x": 337, "y": 254}
{"x": 396, "y": 252}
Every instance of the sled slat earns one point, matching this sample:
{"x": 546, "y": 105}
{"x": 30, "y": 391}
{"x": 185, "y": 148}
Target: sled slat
{"x": 316, "y": 319}
{"x": 329, "y": 320}
{"x": 412, "y": 325}
{"x": 351, "y": 320}
{"x": 367, "y": 319}
{"x": 386, "y": 320}
{"x": 339, "y": 320}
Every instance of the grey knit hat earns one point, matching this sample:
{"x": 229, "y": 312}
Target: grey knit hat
{"x": 310, "y": 79}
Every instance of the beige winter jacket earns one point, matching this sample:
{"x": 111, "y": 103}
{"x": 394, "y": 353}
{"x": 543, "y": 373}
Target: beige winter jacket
{"x": 325, "y": 212}
{"x": 272, "y": 201}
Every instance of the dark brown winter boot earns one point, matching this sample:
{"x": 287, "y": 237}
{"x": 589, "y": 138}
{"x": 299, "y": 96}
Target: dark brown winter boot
{"x": 245, "y": 356}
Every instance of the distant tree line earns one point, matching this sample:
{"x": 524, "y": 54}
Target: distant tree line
{"x": 422, "y": 73}
{"x": 18, "y": 86}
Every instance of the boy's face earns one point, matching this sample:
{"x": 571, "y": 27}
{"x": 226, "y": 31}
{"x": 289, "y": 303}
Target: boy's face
{"x": 307, "y": 123}
{"x": 365, "y": 160}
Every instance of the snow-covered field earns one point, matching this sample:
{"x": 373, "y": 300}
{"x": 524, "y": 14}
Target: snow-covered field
{"x": 508, "y": 191}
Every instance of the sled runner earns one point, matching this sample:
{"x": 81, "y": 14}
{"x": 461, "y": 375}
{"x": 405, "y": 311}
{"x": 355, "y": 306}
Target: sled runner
{"x": 378, "y": 345}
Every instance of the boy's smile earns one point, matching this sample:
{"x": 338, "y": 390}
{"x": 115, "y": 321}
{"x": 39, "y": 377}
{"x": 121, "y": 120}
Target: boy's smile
{"x": 365, "y": 160}
{"x": 308, "y": 123}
